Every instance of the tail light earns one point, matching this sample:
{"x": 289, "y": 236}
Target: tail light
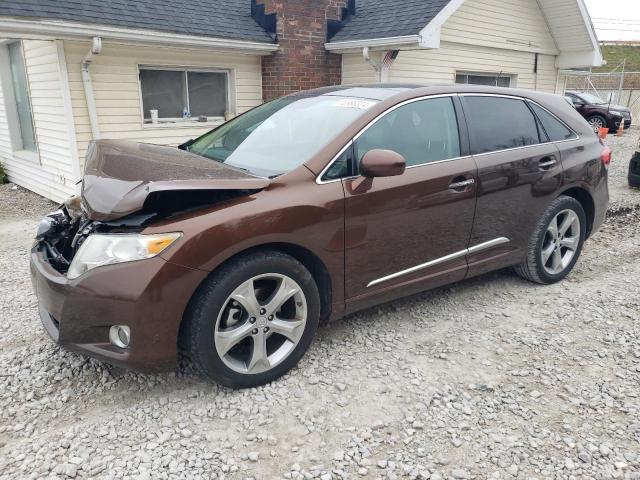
{"x": 605, "y": 156}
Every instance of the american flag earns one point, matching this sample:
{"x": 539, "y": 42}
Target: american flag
{"x": 389, "y": 58}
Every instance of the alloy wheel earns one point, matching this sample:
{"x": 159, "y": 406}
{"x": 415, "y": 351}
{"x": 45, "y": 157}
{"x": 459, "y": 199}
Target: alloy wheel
{"x": 261, "y": 323}
{"x": 596, "y": 123}
{"x": 561, "y": 242}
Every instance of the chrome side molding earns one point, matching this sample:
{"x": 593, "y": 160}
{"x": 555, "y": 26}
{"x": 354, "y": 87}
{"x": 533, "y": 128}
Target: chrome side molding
{"x": 452, "y": 256}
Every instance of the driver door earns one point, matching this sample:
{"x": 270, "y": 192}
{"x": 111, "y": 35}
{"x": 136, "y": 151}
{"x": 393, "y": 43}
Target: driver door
{"x": 409, "y": 233}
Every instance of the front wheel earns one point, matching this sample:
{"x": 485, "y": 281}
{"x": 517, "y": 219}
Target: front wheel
{"x": 556, "y": 242}
{"x": 253, "y": 320}
{"x": 597, "y": 122}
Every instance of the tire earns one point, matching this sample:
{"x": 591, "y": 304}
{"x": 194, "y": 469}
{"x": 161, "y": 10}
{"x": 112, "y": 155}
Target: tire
{"x": 634, "y": 171}
{"x": 223, "y": 312}
{"x": 597, "y": 121}
{"x": 535, "y": 267}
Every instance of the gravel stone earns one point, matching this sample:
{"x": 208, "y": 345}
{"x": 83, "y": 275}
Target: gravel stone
{"x": 492, "y": 377}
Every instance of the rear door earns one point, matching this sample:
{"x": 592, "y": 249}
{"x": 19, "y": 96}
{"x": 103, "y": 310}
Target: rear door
{"x": 519, "y": 174}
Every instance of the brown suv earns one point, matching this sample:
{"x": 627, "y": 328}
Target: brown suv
{"x": 238, "y": 244}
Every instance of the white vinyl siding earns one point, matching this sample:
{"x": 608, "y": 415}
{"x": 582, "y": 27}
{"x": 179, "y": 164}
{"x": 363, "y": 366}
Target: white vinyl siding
{"x": 571, "y": 33}
{"x": 53, "y": 175}
{"x": 440, "y": 66}
{"x": 504, "y": 24}
{"x": 356, "y": 70}
{"x": 483, "y": 36}
{"x": 116, "y": 87}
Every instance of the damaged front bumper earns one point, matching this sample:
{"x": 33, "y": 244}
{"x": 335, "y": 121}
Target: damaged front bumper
{"x": 149, "y": 296}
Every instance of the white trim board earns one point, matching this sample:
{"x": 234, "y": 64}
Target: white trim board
{"x": 430, "y": 36}
{"x": 47, "y": 29}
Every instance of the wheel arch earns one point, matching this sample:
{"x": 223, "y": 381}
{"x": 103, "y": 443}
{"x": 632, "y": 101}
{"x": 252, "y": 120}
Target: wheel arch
{"x": 585, "y": 198}
{"x": 310, "y": 260}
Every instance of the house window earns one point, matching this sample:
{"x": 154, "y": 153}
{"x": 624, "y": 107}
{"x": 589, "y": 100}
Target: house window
{"x": 24, "y": 137}
{"x": 491, "y": 79}
{"x": 183, "y": 93}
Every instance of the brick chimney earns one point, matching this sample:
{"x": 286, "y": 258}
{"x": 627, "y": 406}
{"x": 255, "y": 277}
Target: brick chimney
{"x": 300, "y": 27}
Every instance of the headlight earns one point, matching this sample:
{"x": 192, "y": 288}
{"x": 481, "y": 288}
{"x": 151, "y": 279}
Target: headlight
{"x": 99, "y": 249}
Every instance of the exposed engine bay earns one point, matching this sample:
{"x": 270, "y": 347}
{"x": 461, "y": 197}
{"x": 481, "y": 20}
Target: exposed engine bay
{"x": 61, "y": 233}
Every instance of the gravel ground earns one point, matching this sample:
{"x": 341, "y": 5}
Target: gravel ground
{"x": 493, "y": 377}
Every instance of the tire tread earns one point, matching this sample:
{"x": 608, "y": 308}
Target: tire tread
{"x": 194, "y": 324}
{"x": 530, "y": 268}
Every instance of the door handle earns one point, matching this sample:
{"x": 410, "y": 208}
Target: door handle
{"x": 547, "y": 162}
{"x": 461, "y": 185}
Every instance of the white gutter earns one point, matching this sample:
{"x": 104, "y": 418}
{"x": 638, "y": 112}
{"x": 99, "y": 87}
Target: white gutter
{"x": 21, "y": 28}
{"x": 376, "y": 67}
{"x": 373, "y": 43}
{"x": 96, "y": 48}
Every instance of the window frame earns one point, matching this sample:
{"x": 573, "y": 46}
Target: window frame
{"x": 11, "y": 108}
{"x": 465, "y": 148}
{"x": 462, "y": 136}
{"x": 526, "y": 100}
{"x": 164, "y": 122}
{"x": 513, "y": 78}
{"x": 553, "y": 115}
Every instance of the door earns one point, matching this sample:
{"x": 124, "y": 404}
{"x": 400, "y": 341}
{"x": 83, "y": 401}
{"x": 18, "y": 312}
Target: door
{"x": 409, "y": 233}
{"x": 519, "y": 174}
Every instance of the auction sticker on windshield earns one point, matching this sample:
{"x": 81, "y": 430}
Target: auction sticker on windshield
{"x": 355, "y": 103}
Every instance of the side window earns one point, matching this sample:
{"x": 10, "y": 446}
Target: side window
{"x": 422, "y": 132}
{"x": 25, "y": 138}
{"x": 342, "y": 167}
{"x": 497, "y": 123}
{"x": 554, "y": 128}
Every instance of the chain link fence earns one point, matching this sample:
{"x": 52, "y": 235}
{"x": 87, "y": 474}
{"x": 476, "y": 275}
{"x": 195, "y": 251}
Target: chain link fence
{"x": 617, "y": 87}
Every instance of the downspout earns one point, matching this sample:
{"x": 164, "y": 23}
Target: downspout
{"x": 96, "y": 48}
{"x": 376, "y": 67}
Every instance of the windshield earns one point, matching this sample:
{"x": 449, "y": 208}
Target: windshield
{"x": 280, "y": 135}
{"x": 590, "y": 98}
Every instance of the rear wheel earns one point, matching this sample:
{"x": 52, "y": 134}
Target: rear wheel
{"x": 556, "y": 243}
{"x": 253, "y": 320}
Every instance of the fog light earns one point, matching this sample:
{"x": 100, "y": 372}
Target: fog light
{"x": 120, "y": 336}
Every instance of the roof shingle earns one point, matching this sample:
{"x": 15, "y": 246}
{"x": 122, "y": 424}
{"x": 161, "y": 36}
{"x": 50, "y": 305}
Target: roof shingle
{"x": 388, "y": 18}
{"x": 211, "y": 18}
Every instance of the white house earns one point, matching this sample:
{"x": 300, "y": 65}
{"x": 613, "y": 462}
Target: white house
{"x": 70, "y": 75}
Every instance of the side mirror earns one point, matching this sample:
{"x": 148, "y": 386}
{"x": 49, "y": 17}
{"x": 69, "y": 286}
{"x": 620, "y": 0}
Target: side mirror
{"x": 382, "y": 163}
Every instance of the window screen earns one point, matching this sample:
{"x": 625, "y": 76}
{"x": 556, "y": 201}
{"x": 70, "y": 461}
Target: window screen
{"x": 554, "y": 128}
{"x": 21, "y": 94}
{"x": 207, "y": 93}
{"x": 495, "y": 80}
{"x": 172, "y": 92}
{"x": 497, "y": 123}
{"x": 163, "y": 90}
{"x": 422, "y": 132}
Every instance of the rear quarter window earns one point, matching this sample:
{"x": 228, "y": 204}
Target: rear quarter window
{"x": 556, "y": 130}
{"x": 497, "y": 123}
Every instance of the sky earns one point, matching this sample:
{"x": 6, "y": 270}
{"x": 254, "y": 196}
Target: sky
{"x": 615, "y": 19}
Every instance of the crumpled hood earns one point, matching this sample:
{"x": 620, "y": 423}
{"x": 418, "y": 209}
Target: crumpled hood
{"x": 119, "y": 176}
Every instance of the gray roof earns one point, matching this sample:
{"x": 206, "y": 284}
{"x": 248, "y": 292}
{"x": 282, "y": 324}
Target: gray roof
{"x": 211, "y": 18}
{"x": 388, "y": 18}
